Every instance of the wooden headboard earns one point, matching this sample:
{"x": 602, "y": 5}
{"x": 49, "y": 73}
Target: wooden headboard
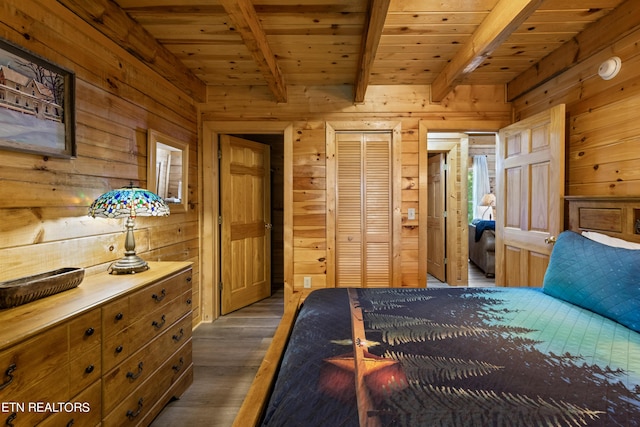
{"x": 615, "y": 216}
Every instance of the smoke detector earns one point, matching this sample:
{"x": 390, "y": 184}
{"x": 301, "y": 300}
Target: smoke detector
{"x": 610, "y": 68}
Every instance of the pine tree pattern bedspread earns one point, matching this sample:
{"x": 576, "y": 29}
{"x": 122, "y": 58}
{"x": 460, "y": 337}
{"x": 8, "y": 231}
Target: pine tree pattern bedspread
{"x": 455, "y": 357}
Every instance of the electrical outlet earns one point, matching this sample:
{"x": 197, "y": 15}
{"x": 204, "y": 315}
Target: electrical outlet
{"x": 411, "y": 214}
{"x": 307, "y": 282}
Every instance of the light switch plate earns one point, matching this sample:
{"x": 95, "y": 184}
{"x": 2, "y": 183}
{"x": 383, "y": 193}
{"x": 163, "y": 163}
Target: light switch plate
{"x": 411, "y": 213}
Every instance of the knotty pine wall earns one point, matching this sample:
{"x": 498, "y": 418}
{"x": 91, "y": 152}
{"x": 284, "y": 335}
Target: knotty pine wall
{"x": 43, "y": 213}
{"x": 310, "y": 108}
{"x": 603, "y": 121}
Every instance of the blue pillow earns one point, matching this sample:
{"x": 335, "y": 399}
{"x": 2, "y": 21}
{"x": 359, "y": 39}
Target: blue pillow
{"x": 600, "y": 278}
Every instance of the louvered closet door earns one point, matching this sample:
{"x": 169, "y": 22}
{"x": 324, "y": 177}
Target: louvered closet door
{"x": 363, "y": 210}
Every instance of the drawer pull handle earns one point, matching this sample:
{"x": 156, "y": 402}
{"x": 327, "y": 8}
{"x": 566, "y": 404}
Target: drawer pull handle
{"x": 133, "y": 376}
{"x": 89, "y": 369}
{"x": 179, "y": 366}
{"x": 189, "y": 301}
{"x": 189, "y": 279}
{"x": 10, "y": 419}
{"x": 9, "y": 374}
{"x": 159, "y": 324}
{"x": 119, "y": 349}
{"x": 131, "y": 414}
{"x": 177, "y": 337}
{"x": 71, "y": 422}
{"x": 160, "y": 297}
{"x": 119, "y": 316}
{"x": 89, "y": 332}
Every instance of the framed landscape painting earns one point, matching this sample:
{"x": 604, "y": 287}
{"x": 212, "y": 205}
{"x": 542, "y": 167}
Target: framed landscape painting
{"x": 36, "y": 104}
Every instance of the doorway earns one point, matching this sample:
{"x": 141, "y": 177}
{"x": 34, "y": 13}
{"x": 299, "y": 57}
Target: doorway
{"x": 280, "y": 134}
{"x": 457, "y": 150}
{"x": 245, "y": 218}
{"x": 276, "y": 145}
{"x": 446, "y": 236}
{"x": 481, "y": 204}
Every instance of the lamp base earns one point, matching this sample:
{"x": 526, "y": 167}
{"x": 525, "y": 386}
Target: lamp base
{"x": 128, "y": 265}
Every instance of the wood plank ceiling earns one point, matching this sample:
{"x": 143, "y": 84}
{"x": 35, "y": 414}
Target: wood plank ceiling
{"x": 277, "y": 43}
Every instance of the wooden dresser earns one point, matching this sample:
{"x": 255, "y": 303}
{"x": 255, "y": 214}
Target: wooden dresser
{"x": 111, "y": 352}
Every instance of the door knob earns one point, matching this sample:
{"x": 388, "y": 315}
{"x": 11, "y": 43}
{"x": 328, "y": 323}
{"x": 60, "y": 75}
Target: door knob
{"x": 550, "y": 240}
{"x": 268, "y": 226}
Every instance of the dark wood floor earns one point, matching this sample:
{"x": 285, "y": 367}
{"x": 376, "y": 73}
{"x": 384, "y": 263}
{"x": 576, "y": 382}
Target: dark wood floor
{"x": 226, "y": 356}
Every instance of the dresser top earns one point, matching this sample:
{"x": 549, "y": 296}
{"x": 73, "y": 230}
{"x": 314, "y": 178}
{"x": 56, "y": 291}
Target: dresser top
{"x": 24, "y": 321}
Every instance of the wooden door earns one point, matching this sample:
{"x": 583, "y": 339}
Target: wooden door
{"x": 530, "y": 193}
{"x": 246, "y": 222}
{"x": 364, "y": 209}
{"x": 436, "y": 235}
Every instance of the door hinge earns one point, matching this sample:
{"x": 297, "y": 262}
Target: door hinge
{"x": 444, "y": 214}
{"x": 219, "y": 219}
{"x": 220, "y": 286}
{"x": 445, "y": 167}
{"x": 219, "y": 154}
{"x": 445, "y": 261}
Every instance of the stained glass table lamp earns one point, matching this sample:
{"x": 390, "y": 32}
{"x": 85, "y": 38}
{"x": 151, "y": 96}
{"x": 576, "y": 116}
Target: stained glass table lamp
{"x": 128, "y": 202}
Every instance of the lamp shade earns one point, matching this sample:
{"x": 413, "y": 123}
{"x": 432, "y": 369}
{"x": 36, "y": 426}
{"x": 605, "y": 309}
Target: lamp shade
{"x": 488, "y": 199}
{"x": 128, "y": 202}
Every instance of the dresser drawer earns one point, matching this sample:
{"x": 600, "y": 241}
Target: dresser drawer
{"x": 31, "y": 361}
{"x": 115, "y": 317}
{"x": 159, "y": 294}
{"x": 84, "y": 370}
{"x": 137, "y": 407}
{"x": 85, "y": 332}
{"x": 136, "y": 369}
{"x": 179, "y": 363}
{"x": 85, "y": 410}
{"x": 157, "y": 321}
{"x": 29, "y": 403}
{"x": 116, "y": 348}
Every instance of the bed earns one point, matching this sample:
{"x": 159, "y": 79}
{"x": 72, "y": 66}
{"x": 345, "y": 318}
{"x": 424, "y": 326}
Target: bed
{"x": 566, "y": 354}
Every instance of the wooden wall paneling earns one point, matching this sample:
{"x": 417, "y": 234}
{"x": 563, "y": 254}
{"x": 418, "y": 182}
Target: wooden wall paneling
{"x": 117, "y": 99}
{"x": 473, "y": 105}
{"x": 309, "y": 108}
{"x": 602, "y": 134}
{"x": 410, "y": 199}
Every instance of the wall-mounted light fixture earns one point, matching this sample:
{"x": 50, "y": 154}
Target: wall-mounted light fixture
{"x": 610, "y": 68}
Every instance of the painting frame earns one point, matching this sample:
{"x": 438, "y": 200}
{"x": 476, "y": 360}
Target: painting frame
{"x": 37, "y": 104}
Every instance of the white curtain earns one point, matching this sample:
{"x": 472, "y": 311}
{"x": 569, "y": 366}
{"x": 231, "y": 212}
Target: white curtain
{"x": 480, "y": 181}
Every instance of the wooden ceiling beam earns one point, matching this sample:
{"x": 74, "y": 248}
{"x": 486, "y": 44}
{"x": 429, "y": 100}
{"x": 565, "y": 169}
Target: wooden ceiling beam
{"x": 114, "y": 23}
{"x": 594, "y": 38}
{"x": 245, "y": 19}
{"x": 370, "y": 41}
{"x": 503, "y": 20}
